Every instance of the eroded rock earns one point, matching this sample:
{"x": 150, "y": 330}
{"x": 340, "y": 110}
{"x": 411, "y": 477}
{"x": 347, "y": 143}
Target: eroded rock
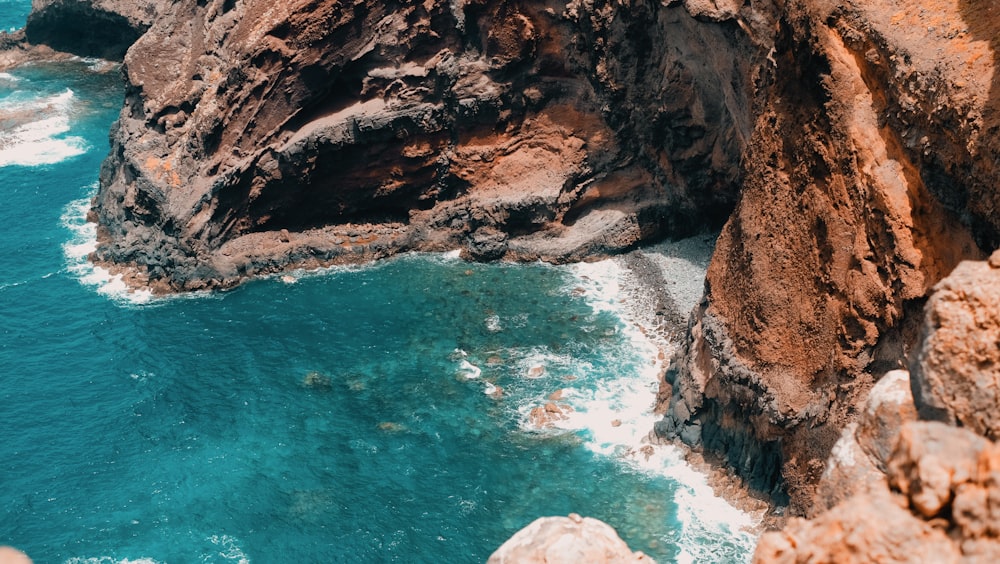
{"x": 956, "y": 371}
{"x": 259, "y": 136}
{"x": 90, "y": 28}
{"x": 870, "y": 528}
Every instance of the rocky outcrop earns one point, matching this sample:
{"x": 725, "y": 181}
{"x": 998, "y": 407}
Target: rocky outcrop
{"x": 90, "y": 28}
{"x": 941, "y": 508}
{"x": 901, "y": 490}
{"x": 569, "y": 540}
{"x": 858, "y": 196}
{"x": 859, "y": 460}
{"x": 957, "y": 365}
{"x": 851, "y": 145}
{"x": 259, "y": 136}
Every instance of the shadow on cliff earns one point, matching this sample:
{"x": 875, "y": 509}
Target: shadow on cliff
{"x": 982, "y": 19}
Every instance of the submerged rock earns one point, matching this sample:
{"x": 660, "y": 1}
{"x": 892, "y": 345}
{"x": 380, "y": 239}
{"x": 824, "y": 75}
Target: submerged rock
{"x": 566, "y": 540}
{"x": 317, "y": 381}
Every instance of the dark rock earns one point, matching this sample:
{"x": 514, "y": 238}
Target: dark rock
{"x": 90, "y": 28}
{"x": 487, "y": 244}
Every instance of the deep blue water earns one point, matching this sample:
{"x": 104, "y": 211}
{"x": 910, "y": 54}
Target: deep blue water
{"x": 339, "y": 418}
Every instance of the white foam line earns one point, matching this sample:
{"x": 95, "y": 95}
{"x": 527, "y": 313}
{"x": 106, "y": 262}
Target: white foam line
{"x": 38, "y": 142}
{"x": 83, "y": 241}
{"x": 616, "y": 418}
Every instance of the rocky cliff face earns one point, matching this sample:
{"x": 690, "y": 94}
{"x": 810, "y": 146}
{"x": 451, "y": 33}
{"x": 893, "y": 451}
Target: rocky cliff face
{"x": 865, "y": 182}
{"x": 259, "y": 136}
{"x": 851, "y": 145}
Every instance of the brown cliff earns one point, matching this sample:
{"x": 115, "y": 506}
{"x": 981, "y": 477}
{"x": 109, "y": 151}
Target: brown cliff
{"x": 851, "y": 145}
{"x": 260, "y": 136}
{"x": 866, "y": 180}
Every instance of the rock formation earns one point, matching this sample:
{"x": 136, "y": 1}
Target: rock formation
{"x": 566, "y": 540}
{"x": 90, "y": 28}
{"x": 849, "y": 147}
{"x": 955, "y": 372}
{"x": 866, "y": 180}
{"x": 259, "y": 136}
{"x": 902, "y": 490}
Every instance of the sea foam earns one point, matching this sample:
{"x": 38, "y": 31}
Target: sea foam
{"x": 616, "y": 416}
{"x": 33, "y": 130}
{"x": 82, "y": 242}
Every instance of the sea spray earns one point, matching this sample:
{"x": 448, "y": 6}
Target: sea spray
{"x": 34, "y": 129}
{"x": 77, "y": 249}
{"x": 617, "y": 416}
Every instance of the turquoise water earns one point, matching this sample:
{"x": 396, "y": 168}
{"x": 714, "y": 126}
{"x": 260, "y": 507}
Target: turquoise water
{"x": 340, "y": 416}
{"x": 13, "y": 14}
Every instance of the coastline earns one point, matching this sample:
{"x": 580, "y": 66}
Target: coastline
{"x": 660, "y": 285}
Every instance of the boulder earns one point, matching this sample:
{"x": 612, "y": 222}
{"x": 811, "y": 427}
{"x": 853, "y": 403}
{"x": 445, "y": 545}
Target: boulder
{"x": 956, "y": 372}
{"x": 865, "y": 529}
{"x": 566, "y": 540}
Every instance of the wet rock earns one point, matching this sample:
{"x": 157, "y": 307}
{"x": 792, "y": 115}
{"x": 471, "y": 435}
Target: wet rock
{"x": 486, "y": 244}
{"x": 956, "y": 371}
{"x": 566, "y": 540}
{"x": 548, "y": 415}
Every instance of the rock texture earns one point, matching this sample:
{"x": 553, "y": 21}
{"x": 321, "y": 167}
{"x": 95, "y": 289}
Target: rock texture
{"x": 902, "y": 490}
{"x": 957, "y": 369}
{"x": 859, "y": 460}
{"x": 566, "y": 540}
{"x": 259, "y": 136}
{"x": 944, "y": 507}
{"x": 852, "y": 146}
{"x": 866, "y": 181}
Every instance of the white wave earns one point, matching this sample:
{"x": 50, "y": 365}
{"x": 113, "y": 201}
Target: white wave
{"x": 493, "y": 324}
{"x": 601, "y": 284}
{"x": 228, "y": 548}
{"x": 82, "y": 242}
{"x": 7, "y": 77}
{"x": 614, "y": 416}
{"x": 34, "y": 134}
{"x": 468, "y": 370}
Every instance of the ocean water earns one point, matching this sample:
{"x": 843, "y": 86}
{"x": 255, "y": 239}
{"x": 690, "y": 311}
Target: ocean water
{"x": 346, "y": 415}
{"x": 13, "y": 14}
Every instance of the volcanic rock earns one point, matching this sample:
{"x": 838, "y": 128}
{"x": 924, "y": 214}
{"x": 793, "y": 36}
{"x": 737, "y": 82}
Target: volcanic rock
{"x": 258, "y": 137}
{"x": 90, "y": 28}
{"x": 866, "y": 180}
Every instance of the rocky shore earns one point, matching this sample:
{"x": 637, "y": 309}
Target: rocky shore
{"x": 848, "y": 151}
